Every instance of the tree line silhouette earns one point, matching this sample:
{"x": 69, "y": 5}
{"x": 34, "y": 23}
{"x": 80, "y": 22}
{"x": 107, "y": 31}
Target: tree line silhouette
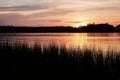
{"x": 89, "y": 28}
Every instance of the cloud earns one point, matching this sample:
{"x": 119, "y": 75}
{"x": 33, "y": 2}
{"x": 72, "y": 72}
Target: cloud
{"x": 35, "y": 11}
{"x": 53, "y": 20}
{"x": 103, "y": 8}
{"x": 17, "y": 19}
{"x": 26, "y": 5}
{"x": 24, "y": 8}
{"x": 10, "y": 18}
{"x": 74, "y": 22}
{"x": 53, "y": 13}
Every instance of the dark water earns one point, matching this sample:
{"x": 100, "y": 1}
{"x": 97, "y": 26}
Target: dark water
{"x": 102, "y": 41}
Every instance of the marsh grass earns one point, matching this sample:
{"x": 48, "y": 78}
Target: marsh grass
{"x": 87, "y": 62}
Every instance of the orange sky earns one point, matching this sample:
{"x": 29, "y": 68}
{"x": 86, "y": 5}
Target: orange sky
{"x": 59, "y": 12}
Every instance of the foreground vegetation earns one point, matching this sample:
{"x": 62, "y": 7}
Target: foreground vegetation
{"x": 84, "y": 64}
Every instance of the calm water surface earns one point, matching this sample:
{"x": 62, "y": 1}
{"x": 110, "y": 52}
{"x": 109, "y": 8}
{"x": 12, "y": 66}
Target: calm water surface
{"x": 102, "y": 41}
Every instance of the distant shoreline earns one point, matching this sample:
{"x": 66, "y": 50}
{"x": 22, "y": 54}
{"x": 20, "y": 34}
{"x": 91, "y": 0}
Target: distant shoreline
{"x": 91, "y": 28}
{"x": 60, "y": 32}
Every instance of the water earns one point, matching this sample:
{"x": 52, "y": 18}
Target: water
{"x": 103, "y": 41}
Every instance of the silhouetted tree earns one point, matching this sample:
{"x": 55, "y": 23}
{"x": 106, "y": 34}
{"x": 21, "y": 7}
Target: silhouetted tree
{"x": 89, "y": 28}
{"x": 118, "y": 27}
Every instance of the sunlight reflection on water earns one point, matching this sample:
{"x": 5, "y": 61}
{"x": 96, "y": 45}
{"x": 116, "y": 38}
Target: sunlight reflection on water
{"x": 103, "y": 41}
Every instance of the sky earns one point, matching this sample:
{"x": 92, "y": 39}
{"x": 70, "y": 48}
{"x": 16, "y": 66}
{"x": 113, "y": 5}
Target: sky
{"x": 59, "y": 12}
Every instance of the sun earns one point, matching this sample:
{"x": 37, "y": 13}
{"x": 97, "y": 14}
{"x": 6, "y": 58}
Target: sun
{"x": 80, "y": 24}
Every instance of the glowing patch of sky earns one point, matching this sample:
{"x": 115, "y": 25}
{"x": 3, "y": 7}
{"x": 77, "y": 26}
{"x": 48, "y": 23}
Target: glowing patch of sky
{"x": 58, "y": 12}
